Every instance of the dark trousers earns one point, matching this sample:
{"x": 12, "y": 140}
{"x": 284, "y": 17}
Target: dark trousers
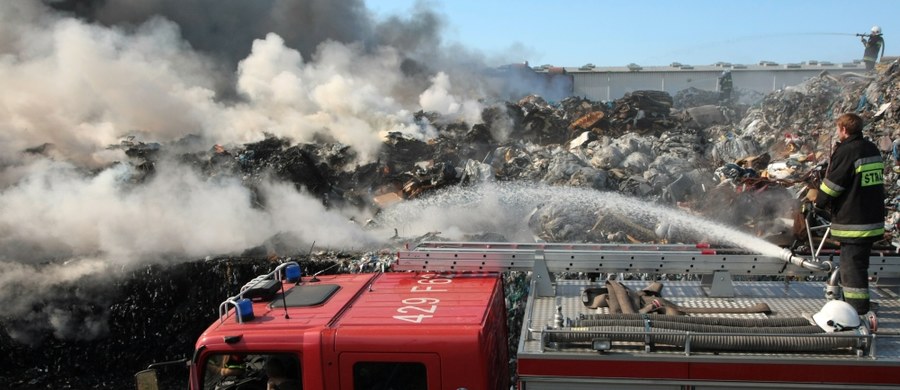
{"x": 725, "y": 96}
{"x": 869, "y": 65}
{"x": 855, "y": 274}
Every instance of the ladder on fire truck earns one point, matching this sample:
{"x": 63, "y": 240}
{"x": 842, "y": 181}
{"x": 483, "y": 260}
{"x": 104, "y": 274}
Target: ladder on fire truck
{"x": 715, "y": 266}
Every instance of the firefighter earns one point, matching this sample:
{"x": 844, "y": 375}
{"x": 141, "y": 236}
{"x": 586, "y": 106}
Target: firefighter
{"x": 233, "y": 365}
{"x": 222, "y": 366}
{"x": 726, "y": 85}
{"x": 853, "y": 187}
{"x": 873, "y": 45}
{"x": 223, "y": 371}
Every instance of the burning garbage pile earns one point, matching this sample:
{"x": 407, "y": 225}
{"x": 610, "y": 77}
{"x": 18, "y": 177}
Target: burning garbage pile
{"x": 148, "y": 169}
{"x": 742, "y": 171}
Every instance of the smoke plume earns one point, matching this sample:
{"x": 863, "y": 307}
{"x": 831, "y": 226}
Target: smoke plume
{"x": 82, "y": 75}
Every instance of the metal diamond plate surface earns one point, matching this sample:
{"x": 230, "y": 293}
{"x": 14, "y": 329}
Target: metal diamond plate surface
{"x": 795, "y": 299}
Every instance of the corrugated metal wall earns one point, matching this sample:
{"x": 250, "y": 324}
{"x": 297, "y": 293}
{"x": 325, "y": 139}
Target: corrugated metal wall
{"x": 614, "y": 85}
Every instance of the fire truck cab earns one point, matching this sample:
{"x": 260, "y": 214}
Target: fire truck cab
{"x": 433, "y": 331}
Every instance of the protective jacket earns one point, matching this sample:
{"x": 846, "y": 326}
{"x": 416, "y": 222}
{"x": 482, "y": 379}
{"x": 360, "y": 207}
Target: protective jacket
{"x": 873, "y": 46}
{"x": 725, "y": 83}
{"x": 854, "y": 187}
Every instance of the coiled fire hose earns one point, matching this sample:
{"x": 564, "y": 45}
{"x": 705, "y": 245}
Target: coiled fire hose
{"x": 586, "y": 320}
{"x": 619, "y": 299}
{"x": 826, "y": 342}
{"x": 705, "y": 328}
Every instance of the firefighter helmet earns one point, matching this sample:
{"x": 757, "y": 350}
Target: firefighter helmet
{"x": 836, "y": 316}
{"x": 876, "y": 30}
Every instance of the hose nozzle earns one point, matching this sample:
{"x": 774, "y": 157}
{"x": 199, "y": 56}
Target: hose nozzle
{"x": 814, "y": 265}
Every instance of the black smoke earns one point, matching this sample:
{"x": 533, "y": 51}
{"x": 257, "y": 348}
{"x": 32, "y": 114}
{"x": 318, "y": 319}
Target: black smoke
{"x": 225, "y": 29}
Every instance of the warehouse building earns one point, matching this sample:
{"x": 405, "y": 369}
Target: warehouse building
{"x": 610, "y": 83}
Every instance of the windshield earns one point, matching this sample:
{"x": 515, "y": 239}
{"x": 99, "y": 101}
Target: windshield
{"x": 262, "y": 371}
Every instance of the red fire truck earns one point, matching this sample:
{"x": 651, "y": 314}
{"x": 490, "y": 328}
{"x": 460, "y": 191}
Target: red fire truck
{"x": 442, "y": 323}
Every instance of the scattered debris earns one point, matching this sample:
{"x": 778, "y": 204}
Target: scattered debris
{"x": 742, "y": 165}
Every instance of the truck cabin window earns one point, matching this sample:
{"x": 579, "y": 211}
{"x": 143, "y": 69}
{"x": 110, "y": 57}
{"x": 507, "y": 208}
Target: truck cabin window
{"x": 274, "y": 371}
{"x": 389, "y": 376}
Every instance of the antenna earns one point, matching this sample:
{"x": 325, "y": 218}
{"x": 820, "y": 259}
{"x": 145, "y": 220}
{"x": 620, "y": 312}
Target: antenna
{"x": 284, "y": 301}
{"x": 314, "y": 279}
{"x": 309, "y": 258}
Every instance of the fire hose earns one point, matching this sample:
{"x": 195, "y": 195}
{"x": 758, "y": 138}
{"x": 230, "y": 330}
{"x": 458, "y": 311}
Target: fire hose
{"x": 621, "y": 300}
{"x": 695, "y": 327}
{"x": 584, "y": 320}
{"x": 826, "y": 342}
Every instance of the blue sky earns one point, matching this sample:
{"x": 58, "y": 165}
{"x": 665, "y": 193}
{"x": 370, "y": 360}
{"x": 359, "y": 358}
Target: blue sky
{"x": 656, "y": 32}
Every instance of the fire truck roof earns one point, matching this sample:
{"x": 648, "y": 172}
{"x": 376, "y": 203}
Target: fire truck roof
{"x": 397, "y": 300}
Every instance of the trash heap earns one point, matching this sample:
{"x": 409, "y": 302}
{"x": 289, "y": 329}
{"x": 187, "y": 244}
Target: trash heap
{"x": 741, "y": 165}
{"x": 695, "y": 97}
{"x": 642, "y": 111}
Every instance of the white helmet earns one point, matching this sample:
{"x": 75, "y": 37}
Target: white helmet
{"x": 836, "y": 316}
{"x": 876, "y": 30}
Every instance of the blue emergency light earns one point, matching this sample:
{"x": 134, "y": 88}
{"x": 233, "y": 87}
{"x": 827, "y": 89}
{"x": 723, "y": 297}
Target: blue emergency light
{"x": 292, "y": 273}
{"x": 245, "y": 310}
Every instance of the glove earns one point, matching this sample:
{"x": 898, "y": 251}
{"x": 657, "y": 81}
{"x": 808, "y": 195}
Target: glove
{"x": 807, "y": 207}
{"x": 820, "y": 202}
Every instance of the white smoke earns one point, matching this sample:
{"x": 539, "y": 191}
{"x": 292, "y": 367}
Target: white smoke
{"x": 344, "y": 94}
{"x": 438, "y": 98}
{"x": 72, "y": 88}
{"x": 175, "y": 212}
{"x": 25, "y": 286}
{"x": 81, "y": 87}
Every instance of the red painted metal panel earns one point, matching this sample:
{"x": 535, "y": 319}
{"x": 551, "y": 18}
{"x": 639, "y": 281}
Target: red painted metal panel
{"x": 464, "y": 328}
{"x": 867, "y": 373}
{"x": 445, "y": 314}
{"x": 603, "y": 369}
{"x": 416, "y": 299}
{"x": 272, "y": 322}
{"x": 789, "y": 372}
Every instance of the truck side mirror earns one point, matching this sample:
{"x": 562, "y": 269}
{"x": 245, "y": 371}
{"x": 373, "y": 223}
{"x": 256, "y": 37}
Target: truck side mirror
{"x": 146, "y": 380}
